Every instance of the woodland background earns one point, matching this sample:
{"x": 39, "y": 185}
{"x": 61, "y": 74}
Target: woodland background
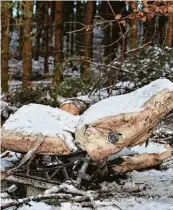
{"x": 75, "y": 48}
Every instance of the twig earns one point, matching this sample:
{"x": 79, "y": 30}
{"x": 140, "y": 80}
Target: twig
{"x": 67, "y": 193}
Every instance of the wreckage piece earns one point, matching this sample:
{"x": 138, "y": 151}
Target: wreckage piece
{"x": 148, "y": 157}
{"x": 124, "y": 121}
{"x": 22, "y": 128}
{"x": 104, "y": 129}
{"x": 73, "y": 106}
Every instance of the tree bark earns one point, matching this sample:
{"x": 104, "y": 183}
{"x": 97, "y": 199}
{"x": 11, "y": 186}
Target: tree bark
{"x": 39, "y": 25}
{"x": 59, "y": 31}
{"x": 150, "y": 31}
{"x": 27, "y": 42}
{"x": 51, "y": 20}
{"x": 162, "y": 29}
{"x": 134, "y": 34}
{"x": 89, "y": 34}
{"x": 20, "y": 8}
{"x": 134, "y": 30}
{"x": 5, "y": 17}
{"x": 58, "y": 40}
{"x": 170, "y": 29}
{"x": 46, "y": 37}
{"x": 88, "y": 39}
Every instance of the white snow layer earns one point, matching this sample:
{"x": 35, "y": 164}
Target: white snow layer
{"x": 36, "y": 118}
{"x": 131, "y": 102}
{"x": 45, "y": 120}
{"x": 152, "y": 148}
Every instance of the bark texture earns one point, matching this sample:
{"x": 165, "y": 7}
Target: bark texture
{"x": 59, "y": 31}
{"x": 170, "y": 29}
{"x": 5, "y": 17}
{"x": 27, "y": 43}
{"x": 46, "y": 37}
{"x": 58, "y": 40}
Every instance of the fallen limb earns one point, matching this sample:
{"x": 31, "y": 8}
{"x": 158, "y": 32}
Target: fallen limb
{"x": 67, "y": 188}
{"x": 65, "y": 192}
{"x": 61, "y": 198}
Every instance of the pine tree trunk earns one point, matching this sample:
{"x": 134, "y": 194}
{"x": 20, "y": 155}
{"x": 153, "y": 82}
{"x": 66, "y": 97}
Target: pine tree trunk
{"x": 88, "y": 39}
{"x": 46, "y": 37}
{"x": 162, "y": 29}
{"x": 89, "y": 34}
{"x": 150, "y": 31}
{"x": 134, "y": 34}
{"x": 58, "y": 39}
{"x": 20, "y": 8}
{"x": 27, "y": 42}
{"x": 39, "y": 25}
{"x": 170, "y": 30}
{"x": 59, "y": 31}
{"x": 52, "y": 8}
{"x": 5, "y": 17}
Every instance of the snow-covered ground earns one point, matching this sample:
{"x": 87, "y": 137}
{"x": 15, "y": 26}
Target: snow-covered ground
{"x": 147, "y": 190}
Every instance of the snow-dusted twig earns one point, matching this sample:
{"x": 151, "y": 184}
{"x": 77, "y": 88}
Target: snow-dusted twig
{"x": 69, "y": 188}
{"x": 64, "y": 192}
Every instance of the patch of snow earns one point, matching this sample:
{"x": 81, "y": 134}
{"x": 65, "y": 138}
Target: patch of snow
{"x": 163, "y": 130}
{"x": 36, "y": 206}
{"x": 140, "y": 149}
{"x": 45, "y": 120}
{"x": 66, "y": 206}
{"x": 8, "y": 162}
{"x": 150, "y": 149}
{"x": 124, "y": 152}
{"x": 127, "y": 103}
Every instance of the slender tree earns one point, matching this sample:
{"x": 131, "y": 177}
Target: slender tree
{"x": 150, "y": 30}
{"x": 170, "y": 29}
{"x": 162, "y": 28}
{"x": 5, "y": 17}
{"x": 51, "y": 20}
{"x": 58, "y": 39}
{"x": 59, "y": 31}
{"x": 46, "y": 37}
{"x": 89, "y": 34}
{"x": 27, "y": 42}
{"x": 20, "y": 20}
{"x": 39, "y": 26}
{"x": 134, "y": 43}
{"x": 88, "y": 39}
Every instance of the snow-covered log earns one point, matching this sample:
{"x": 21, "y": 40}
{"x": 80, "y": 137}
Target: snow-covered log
{"x": 124, "y": 121}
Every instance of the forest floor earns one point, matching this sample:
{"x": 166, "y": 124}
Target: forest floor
{"x": 150, "y": 189}
{"x": 147, "y": 190}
